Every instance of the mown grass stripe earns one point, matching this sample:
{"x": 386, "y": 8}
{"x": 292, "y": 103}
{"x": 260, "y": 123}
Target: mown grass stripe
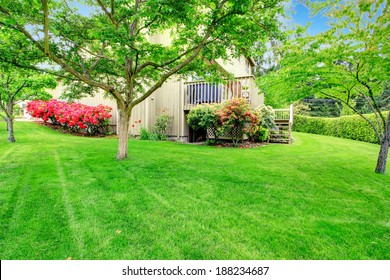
{"x": 68, "y": 206}
{"x": 7, "y": 153}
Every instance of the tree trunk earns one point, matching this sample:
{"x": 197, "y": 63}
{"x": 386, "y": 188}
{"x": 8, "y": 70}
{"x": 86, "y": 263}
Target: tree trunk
{"x": 123, "y": 133}
{"x": 10, "y": 121}
{"x": 10, "y": 128}
{"x": 384, "y": 149}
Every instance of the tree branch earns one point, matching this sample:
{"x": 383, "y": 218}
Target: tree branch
{"x": 149, "y": 23}
{"x": 129, "y": 70}
{"x": 357, "y": 112}
{"x": 31, "y": 67}
{"x": 61, "y": 63}
{"x": 196, "y": 50}
{"x": 377, "y": 117}
{"x": 175, "y": 69}
{"x": 97, "y": 60}
{"x": 371, "y": 95}
{"x": 100, "y": 55}
{"x": 162, "y": 65}
{"x": 108, "y": 14}
{"x": 45, "y": 26}
{"x": 17, "y": 91}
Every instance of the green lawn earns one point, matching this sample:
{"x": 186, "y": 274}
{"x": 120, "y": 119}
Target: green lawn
{"x": 63, "y": 196}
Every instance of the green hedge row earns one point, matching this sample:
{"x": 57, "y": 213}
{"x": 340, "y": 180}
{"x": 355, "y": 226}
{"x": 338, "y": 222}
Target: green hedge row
{"x": 350, "y": 127}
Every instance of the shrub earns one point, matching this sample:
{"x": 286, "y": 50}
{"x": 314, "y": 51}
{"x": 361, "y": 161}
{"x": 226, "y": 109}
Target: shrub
{"x": 73, "y": 116}
{"x": 259, "y": 134}
{"x": 202, "y": 117}
{"x": 144, "y": 134}
{"x": 237, "y": 118}
{"x": 161, "y": 127}
{"x": 232, "y": 118}
{"x": 351, "y": 127}
{"x": 267, "y": 116}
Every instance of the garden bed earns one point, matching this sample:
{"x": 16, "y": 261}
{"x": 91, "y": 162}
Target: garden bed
{"x": 61, "y": 129}
{"x": 244, "y": 145}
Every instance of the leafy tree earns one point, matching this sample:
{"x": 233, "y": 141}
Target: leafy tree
{"x": 18, "y": 85}
{"x": 111, "y": 45}
{"x": 348, "y": 62}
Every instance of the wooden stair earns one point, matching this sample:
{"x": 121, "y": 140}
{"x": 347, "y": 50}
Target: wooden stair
{"x": 282, "y": 132}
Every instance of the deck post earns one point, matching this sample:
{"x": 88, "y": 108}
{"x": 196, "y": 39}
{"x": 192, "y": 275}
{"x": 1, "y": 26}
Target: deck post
{"x": 290, "y": 123}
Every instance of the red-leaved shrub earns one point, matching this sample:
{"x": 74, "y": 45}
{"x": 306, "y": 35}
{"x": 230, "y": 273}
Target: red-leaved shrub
{"x": 237, "y": 118}
{"x": 75, "y": 116}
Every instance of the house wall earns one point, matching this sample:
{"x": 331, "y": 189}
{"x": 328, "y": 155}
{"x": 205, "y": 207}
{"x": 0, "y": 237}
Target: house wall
{"x": 163, "y": 38}
{"x": 239, "y": 67}
{"x": 166, "y": 100}
{"x": 256, "y": 98}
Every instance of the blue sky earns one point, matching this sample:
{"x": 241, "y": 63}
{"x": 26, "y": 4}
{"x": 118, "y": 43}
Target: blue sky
{"x": 301, "y": 16}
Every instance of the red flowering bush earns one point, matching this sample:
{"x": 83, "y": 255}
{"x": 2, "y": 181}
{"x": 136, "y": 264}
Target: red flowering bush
{"x": 237, "y": 118}
{"x": 233, "y": 118}
{"x": 74, "y": 116}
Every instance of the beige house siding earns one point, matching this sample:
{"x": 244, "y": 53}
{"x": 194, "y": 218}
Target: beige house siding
{"x": 239, "y": 67}
{"x": 163, "y": 38}
{"x": 166, "y": 100}
{"x": 142, "y": 112}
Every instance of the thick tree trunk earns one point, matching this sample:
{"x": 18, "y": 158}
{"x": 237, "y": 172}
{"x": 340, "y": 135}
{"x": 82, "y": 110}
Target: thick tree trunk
{"x": 123, "y": 133}
{"x": 10, "y": 128}
{"x": 384, "y": 149}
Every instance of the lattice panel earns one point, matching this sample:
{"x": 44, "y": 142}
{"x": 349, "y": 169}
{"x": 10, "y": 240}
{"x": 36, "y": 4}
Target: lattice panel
{"x": 235, "y": 133}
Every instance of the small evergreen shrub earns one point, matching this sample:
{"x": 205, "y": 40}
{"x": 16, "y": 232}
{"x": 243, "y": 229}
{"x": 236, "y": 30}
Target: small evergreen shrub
{"x": 259, "y": 134}
{"x": 350, "y": 127}
{"x": 161, "y": 125}
{"x": 202, "y": 117}
{"x": 160, "y": 130}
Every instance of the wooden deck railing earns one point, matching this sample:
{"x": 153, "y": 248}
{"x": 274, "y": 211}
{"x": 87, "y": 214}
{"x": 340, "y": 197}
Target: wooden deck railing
{"x": 199, "y": 92}
{"x": 285, "y": 114}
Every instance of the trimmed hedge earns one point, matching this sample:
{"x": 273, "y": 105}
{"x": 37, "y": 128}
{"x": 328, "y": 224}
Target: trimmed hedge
{"x": 350, "y": 127}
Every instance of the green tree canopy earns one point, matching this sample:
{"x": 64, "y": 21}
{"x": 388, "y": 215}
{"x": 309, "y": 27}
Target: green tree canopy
{"x": 113, "y": 45}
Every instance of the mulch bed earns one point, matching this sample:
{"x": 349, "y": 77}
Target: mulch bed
{"x": 63, "y": 130}
{"x": 243, "y": 145}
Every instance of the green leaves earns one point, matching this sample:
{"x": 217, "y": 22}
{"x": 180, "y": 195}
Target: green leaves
{"x": 341, "y": 62}
{"x": 131, "y": 35}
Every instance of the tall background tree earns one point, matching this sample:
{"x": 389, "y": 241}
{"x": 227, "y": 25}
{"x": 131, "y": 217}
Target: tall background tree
{"x": 349, "y": 62}
{"x": 19, "y": 84}
{"x": 109, "y": 44}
